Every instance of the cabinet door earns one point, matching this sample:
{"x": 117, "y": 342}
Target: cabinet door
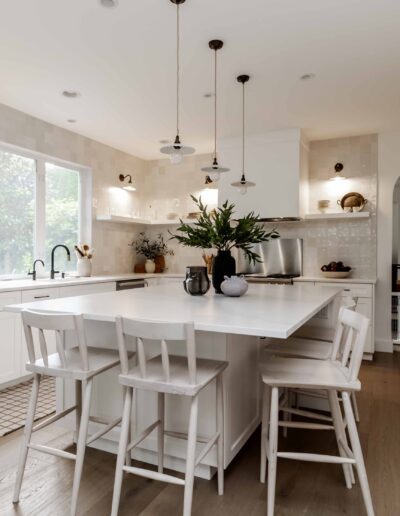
{"x": 83, "y": 290}
{"x": 29, "y": 296}
{"x": 10, "y": 340}
{"x": 364, "y": 306}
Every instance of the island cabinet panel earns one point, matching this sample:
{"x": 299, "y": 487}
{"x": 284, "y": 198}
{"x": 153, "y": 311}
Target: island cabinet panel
{"x": 241, "y": 401}
{"x": 10, "y": 338}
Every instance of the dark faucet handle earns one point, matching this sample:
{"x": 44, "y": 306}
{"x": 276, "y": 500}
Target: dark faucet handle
{"x": 33, "y": 274}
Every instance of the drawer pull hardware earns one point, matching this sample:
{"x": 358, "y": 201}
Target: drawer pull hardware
{"x": 40, "y": 297}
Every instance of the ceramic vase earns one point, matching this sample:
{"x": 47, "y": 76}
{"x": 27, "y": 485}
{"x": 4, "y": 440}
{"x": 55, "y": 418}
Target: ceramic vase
{"x": 150, "y": 266}
{"x": 223, "y": 265}
{"x": 84, "y": 267}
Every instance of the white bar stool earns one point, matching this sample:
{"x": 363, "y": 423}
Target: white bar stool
{"x": 339, "y": 374}
{"x": 79, "y": 363}
{"x": 311, "y": 342}
{"x": 168, "y": 374}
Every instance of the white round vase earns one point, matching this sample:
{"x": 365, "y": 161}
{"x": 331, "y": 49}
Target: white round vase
{"x": 84, "y": 267}
{"x": 150, "y": 266}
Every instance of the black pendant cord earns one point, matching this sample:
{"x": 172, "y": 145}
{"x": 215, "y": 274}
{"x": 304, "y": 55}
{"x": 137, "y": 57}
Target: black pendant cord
{"x": 215, "y": 109}
{"x": 243, "y": 179}
{"x": 177, "y": 70}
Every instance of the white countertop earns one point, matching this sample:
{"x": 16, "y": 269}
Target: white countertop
{"x": 265, "y": 311}
{"x": 29, "y": 284}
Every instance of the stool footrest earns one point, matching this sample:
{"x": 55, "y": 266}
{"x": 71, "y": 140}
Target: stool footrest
{"x": 313, "y": 457}
{"x": 207, "y": 448}
{"x": 52, "y": 451}
{"x": 53, "y": 419}
{"x": 182, "y": 435}
{"x": 306, "y": 426}
{"x": 103, "y": 431}
{"x": 306, "y": 413}
{"x": 154, "y": 475}
{"x": 147, "y": 431}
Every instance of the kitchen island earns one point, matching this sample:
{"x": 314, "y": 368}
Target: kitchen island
{"x": 226, "y": 329}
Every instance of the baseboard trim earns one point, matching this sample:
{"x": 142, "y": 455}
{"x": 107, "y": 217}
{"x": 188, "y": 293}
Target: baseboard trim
{"x": 384, "y": 345}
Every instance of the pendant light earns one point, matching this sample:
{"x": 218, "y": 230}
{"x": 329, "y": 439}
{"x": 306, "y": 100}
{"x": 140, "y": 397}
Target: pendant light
{"x": 243, "y": 184}
{"x": 213, "y": 172}
{"x": 176, "y": 151}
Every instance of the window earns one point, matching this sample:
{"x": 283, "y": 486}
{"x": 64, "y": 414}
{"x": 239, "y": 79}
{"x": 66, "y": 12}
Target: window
{"x": 42, "y": 203}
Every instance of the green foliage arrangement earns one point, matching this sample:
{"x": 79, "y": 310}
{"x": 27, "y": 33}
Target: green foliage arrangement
{"x": 151, "y": 248}
{"x": 219, "y": 230}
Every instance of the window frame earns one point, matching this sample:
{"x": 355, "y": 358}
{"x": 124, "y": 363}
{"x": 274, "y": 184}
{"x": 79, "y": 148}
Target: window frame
{"x": 85, "y": 200}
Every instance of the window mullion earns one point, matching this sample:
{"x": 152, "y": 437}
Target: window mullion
{"x": 40, "y": 219}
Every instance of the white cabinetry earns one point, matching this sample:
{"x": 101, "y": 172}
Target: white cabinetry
{"x": 277, "y": 162}
{"x": 10, "y": 338}
{"x": 83, "y": 290}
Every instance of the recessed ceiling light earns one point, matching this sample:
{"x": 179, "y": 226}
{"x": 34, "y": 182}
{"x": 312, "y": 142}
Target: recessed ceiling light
{"x": 109, "y": 3}
{"x": 70, "y": 94}
{"x": 307, "y": 76}
{"x": 208, "y": 95}
{"x": 71, "y": 121}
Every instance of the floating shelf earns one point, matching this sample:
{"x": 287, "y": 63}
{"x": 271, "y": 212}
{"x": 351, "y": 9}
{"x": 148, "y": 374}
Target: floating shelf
{"x": 342, "y": 215}
{"x": 144, "y": 222}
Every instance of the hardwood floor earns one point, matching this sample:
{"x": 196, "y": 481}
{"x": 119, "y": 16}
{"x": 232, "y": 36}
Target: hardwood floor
{"x": 302, "y": 488}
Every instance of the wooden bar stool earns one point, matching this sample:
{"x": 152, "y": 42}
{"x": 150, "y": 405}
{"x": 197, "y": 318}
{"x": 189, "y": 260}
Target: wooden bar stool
{"x": 339, "y": 374}
{"x": 168, "y": 374}
{"x": 81, "y": 364}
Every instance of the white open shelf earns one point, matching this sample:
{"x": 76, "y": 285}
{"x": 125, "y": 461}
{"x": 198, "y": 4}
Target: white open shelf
{"x": 142, "y": 221}
{"x": 340, "y": 215}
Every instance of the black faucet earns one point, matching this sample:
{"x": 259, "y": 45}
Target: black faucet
{"x": 53, "y": 272}
{"x": 33, "y": 274}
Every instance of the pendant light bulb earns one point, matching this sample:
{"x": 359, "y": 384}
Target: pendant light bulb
{"x": 242, "y": 189}
{"x": 214, "y": 172}
{"x": 176, "y": 151}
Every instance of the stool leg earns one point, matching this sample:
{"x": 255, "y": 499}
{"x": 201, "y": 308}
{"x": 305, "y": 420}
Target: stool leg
{"x": 160, "y": 430}
{"x": 128, "y": 455}
{"x": 220, "y": 430}
{"x": 340, "y": 434}
{"x": 358, "y": 455}
{"x": 78, "y": 403}
{"x": 190, "y": 457}
{"x": 286, "y": 415}
{"x": 81, "y": 444}
{"x": 30, "y": 417}
{"x": 123, "y": 443}
{"x": 355, "y": 406}
{"x": 273, "y": 450}
{"x": 264, "y": 431}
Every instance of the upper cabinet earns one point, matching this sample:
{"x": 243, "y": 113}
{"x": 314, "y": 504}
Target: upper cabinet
{"x": 278, "y": 163}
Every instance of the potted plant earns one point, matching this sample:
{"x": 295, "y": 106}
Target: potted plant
{"x": 221, "y": 231}
{"x": 151, "y": 250}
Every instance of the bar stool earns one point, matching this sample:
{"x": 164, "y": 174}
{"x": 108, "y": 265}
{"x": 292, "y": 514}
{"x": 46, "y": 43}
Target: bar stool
{"x": 339, "y": 374}
{"x": 311, "y": 342}
{"x": 168, "y": 374}
{"x": 81, "y": 364}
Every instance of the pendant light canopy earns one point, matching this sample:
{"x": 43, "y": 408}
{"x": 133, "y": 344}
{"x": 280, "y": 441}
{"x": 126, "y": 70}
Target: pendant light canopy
{"x": 243, "y": 184}
{"x": 213, "y": 172}
{"x": 176, "y": 151}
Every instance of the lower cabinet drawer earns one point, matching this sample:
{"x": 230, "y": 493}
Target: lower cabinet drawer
{"x": 350, "y": 289}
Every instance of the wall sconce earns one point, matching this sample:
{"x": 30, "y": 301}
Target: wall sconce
{"x": 128, "y": 186}
{"x": 338, "y": 175}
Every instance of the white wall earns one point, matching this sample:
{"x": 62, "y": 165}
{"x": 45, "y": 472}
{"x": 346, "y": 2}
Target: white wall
{"x": 389, "y": 172}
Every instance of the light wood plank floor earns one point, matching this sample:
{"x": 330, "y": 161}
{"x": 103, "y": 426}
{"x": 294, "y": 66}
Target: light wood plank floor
{"x": 302, "y": 488}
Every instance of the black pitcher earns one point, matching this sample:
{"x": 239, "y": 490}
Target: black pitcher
{"x": 224, "y": 264}
{"x": 196, "y": 282}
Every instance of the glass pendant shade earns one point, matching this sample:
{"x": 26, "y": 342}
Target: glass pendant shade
{"x": 176, "y": 151}
{"x": 214, "y": 172}
{"x": 243, "y": 184}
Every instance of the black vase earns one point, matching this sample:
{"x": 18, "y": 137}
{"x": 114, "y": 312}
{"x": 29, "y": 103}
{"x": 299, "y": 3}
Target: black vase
{"x": 223, "y": 265}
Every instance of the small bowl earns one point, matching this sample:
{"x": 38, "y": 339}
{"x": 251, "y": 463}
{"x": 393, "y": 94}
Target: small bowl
{"x": 336, "y": 274}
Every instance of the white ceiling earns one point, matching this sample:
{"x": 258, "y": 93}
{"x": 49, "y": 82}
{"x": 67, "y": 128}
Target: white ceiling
{"x": 122, "y": 62}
